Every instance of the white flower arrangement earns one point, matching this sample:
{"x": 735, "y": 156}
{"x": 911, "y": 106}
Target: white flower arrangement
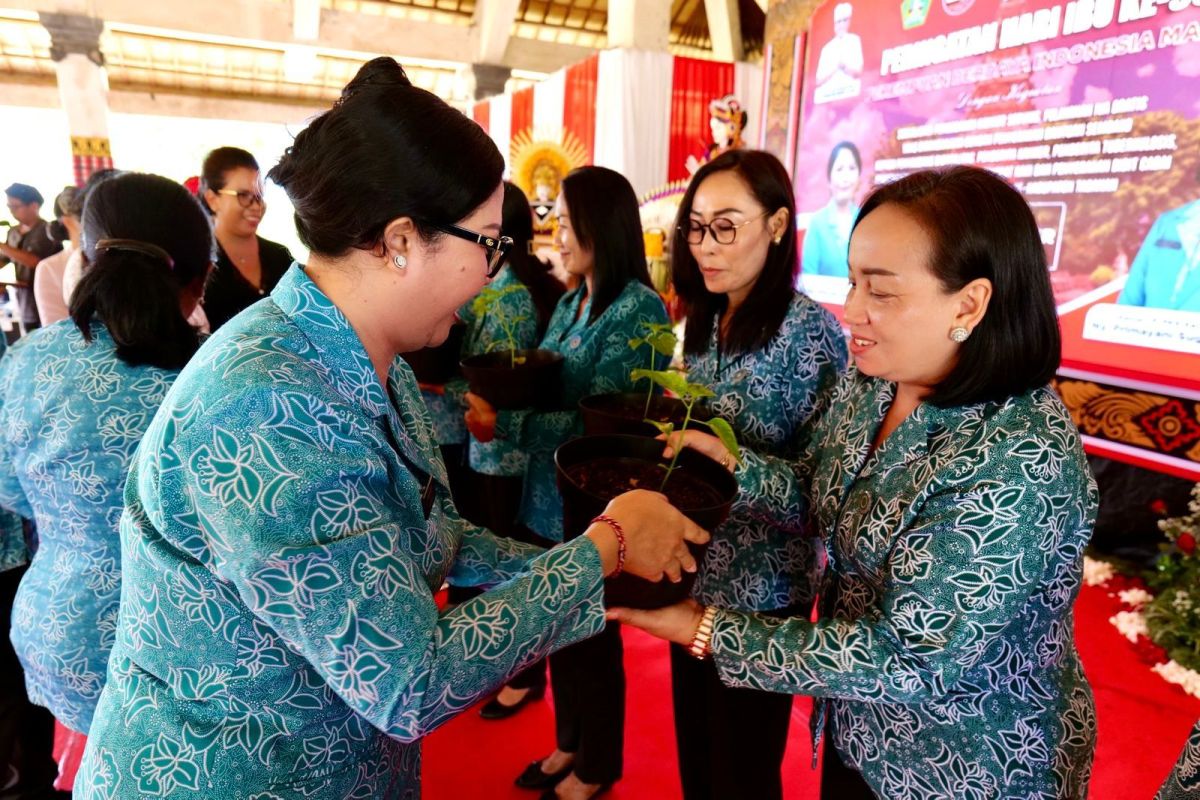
{"x": 1096, "y": 573}
{"x": 1135, "y": 598}
{"x": 1187, "y": 679}
{"x": 1132, "y": 623}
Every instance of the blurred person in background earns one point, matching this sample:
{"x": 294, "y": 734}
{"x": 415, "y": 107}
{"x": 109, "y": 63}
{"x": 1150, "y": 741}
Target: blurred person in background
{"x": 248, "y": 266}
{"x": 28, "y": 242}
{"x": 75, "y": 399}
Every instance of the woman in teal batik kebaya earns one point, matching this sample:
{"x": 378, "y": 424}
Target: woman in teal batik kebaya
{"x": 949, "y": 485}
{"x": 287, "y": 517}
{"x": 447, "y": 403}
{"x": 529, "y": 294}
{"x": 770, "y": 354}
{"x": 499, "y": 466}
{"x": 76, "y": 398}
{"x": 534, "y": 307}
{"x": 600, "y": 240}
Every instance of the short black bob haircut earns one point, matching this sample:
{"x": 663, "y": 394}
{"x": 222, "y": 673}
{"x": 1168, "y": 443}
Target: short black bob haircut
{"x": 981, "y": 227}
{"x": 759, "y": 318}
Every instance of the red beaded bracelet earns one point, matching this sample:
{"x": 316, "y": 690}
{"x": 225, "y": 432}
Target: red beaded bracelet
{"x": 619, "y": 531}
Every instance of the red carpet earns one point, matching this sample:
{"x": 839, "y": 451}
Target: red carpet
{"x": 1143, "y": 724}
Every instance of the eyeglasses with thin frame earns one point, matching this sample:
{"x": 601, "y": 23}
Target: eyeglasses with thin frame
{"x": 245, "y": 199}
{"x": 722, "y": 229}
{"x": 497, "y": 247}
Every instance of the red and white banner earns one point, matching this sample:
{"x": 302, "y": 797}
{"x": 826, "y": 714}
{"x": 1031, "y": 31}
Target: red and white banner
{"x": 637, "y": 112}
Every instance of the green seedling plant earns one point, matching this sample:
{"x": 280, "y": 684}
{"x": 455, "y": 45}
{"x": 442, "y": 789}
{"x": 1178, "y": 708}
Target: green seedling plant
{"x": 487, "y": 302}
{"x": 689, "y": 394}
{"x": 660, "y": 339}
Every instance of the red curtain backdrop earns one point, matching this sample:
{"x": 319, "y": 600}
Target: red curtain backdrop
{"x": 522, "y": 111}
{"x": 693, "y": 84}
{"x": 579, "y": 104}
{"x": 482, "y": 113}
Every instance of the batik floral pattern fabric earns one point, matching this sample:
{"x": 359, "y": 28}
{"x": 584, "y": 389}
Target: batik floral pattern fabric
{"x": 14, "y": 552}
{"x": 484, "y": 334}
{"x": 768, "y": 396}
{"x": 1184, "y": 781}
{"x": 945, "y": 651}
{"x": 597, "y": 360}
{"x": 287, "y": 523}
{"x": 73, "y": 414}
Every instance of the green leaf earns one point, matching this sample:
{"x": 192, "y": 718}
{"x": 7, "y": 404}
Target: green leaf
{"x": 663, "y": 342}
{"x": 665, "y": 428}
{"x": 673, "y": 382}
{"x": 488, "y": 301}
{"x": 724, "y": 431}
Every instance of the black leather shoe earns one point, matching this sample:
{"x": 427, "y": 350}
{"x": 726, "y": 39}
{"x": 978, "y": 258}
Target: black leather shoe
{"x": 494, "y": 709}
{"x": 534, "y": 778}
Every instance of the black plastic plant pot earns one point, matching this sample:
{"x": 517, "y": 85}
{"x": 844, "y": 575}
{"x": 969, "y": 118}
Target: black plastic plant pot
{"x": 532, "y": 382}
{"x": 594, "y": 469}
{"x": 438, "y": 365}
{"x": 608, "y": 414}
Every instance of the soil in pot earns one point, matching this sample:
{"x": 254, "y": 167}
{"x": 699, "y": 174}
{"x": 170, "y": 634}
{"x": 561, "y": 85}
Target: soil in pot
{"x": 609, "y": 477}
{"x": 530, "y": 383}
{"x": 594, "y": 469}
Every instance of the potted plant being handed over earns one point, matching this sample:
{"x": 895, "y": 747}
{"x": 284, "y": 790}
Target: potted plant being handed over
{"x": 594, "y": 469}
{"x": 509, "y": 377}
{"x": 630, "y": 412}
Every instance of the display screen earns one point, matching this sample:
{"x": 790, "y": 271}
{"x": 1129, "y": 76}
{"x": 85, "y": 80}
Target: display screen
{"x": 1090, "y": 108}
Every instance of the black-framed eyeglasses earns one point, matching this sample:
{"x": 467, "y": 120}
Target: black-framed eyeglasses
{"x": 497, "y": 247}
{"x": 245, "y": 199}
{"x": 723, "y": 230}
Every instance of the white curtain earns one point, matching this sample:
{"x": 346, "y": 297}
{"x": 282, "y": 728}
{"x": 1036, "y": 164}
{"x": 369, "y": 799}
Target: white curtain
{"x": 500, "y": 125}
{"x": 747, "y": 87}
{"x": 549, "y": 96}
{"x": 633, "y": 108}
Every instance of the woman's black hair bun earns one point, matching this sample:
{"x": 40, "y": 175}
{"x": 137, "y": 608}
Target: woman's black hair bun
{"x": 378, "y": 73}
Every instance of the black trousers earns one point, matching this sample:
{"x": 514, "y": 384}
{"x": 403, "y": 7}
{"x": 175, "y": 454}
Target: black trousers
{"x": 731, "y": 740}
{"x": 500, "y": 502}
{"x": 588, "y": 681}
{"x": 840, "y": 781}
{"x": 27, "y": 767}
